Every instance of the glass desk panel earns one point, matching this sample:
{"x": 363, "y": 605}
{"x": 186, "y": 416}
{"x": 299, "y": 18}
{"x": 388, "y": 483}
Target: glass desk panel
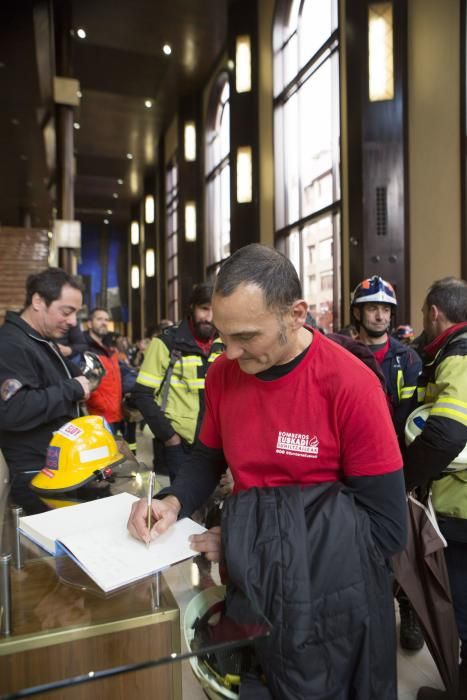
{"x": 65, "y": 631}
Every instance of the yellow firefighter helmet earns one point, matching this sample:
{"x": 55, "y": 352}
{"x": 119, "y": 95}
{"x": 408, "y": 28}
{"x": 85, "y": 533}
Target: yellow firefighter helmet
{"x": 82, "y": 450}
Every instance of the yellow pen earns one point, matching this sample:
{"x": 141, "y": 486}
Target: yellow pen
{"x": 152, "y": 478}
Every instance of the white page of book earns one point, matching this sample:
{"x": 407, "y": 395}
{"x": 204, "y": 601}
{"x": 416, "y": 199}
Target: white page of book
{"x": 46, "y": 528}
{"x": 113, "y": 558}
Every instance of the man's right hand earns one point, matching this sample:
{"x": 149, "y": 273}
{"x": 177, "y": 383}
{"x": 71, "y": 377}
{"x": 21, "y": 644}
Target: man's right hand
{"x": 85, "y": 384}
{"x": 164, "y": 514}
{"x": 174, "y": 440}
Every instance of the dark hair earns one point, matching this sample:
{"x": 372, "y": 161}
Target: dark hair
{"x": 156, "y": 329}
{"x": 264, "y": 267}
{"x": 48, "y": 284}
{"x": 95, "y": 310}
{"x": 201, "y": 294}
{"x": 450, "y": 296}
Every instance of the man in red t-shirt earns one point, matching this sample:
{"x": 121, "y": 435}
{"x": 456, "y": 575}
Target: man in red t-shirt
{"x": 284, "y": 406}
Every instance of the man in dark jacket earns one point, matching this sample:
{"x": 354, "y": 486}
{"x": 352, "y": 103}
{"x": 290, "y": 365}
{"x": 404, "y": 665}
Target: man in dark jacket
{"x": 39, "y": 389}
{"x": 429, "y": 457}
{"x": 169, "y": 390}
{"x": 372, "y": 305}
{"x": 285, "y": 408}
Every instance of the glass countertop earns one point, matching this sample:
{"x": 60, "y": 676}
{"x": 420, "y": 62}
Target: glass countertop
{"x": 53, "y": 600}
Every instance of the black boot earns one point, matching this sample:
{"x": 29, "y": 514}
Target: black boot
{"x": 410, "y": 634}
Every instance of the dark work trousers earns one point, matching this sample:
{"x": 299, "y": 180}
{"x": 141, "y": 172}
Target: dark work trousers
{"x": 456, "y": 560}
{"x": 168, "y": 460}
{"x": 22, "y": 495}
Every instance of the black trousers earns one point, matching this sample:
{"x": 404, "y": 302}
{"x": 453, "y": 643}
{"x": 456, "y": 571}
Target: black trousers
{"x": 168, "y": 460}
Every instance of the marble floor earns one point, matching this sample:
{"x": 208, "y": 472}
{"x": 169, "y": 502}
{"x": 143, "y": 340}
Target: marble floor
{"x": 414, "y": 669}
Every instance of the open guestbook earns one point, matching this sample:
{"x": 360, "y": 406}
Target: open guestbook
{"x": 95, "y": 536}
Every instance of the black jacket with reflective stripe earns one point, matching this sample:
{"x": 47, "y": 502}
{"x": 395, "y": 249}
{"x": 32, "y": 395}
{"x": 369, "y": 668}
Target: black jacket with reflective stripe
{"x": 401, "y": 367}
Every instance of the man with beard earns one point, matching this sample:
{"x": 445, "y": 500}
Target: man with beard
{"x": 169, "y": 389}
{"x": 372, "y": 305}
{"x": 106, "y": 400}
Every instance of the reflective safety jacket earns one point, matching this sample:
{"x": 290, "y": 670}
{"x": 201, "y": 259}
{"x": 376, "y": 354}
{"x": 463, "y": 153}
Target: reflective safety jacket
{"x": 173, "y": 370}
{"x": 401, "y": 367}
{"x": 443, "y": 383}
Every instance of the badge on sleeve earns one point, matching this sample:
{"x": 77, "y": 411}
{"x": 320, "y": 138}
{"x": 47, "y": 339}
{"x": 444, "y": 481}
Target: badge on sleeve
{"x": 9, "y": 388}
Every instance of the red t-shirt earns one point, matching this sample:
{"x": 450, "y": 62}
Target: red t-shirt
{"x": 326, "y": 419}
{"x": 380, "y": 354}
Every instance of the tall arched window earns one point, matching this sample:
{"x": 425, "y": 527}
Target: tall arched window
{"x": 306, "y": 135}
{"x": 218, "y": 176}
{"x": 171, "y": 203}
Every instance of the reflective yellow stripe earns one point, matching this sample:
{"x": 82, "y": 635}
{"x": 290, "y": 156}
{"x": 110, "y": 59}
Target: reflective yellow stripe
{"x": 400, "y": 383}
{"x": 407, "y": 392}
{"x": 452, "y": 402}
{"x": 459, "y": 416}
{"x": 150, "y": 380}
{"x": 196, "y": 383}
{"x": 421, "y": 391}
{"x": 189, "y": 361}
{"x": 453, "y": 405}
{"x": 214, "y": 356}
{"x": 155, "y": 382}
{"x": 192, "y": 383}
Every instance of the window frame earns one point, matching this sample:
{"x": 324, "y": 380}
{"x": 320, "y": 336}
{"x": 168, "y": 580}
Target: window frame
{"x": 284, "y": 228}
{"x": 215, "y": 172}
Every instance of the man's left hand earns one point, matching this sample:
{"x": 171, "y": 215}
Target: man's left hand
{"x": 209, "y": 543}
{"x": 64, "y": 349}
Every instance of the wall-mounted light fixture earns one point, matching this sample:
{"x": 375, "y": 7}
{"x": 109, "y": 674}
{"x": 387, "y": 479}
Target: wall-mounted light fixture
{"x": 149, "y": 209}
{"x": 243, "y": 64}
{"x": 380, "y": 52}
{"x": 150, "y": 262}
{"x": 244, "y": 175}
{"x": 189, "y": 141}
{"x": 190, "y": 221}
{"x": 134, "y": 277}
{"x": 134, "y": 233}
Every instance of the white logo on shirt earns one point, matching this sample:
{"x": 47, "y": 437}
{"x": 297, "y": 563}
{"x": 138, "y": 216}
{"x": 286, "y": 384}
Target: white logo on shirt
{"x": 297, "y": 445}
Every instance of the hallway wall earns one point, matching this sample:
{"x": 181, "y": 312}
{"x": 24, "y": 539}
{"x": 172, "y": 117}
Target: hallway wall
{"x": 23, "y": 251}
{"x": 434, "y": 131}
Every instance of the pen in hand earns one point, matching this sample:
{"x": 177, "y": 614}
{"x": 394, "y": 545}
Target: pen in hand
{"x": 152, "y": 478}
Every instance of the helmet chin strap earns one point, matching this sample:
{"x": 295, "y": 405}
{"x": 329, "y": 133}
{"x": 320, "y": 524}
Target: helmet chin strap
{"x": 374, "y": 334}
